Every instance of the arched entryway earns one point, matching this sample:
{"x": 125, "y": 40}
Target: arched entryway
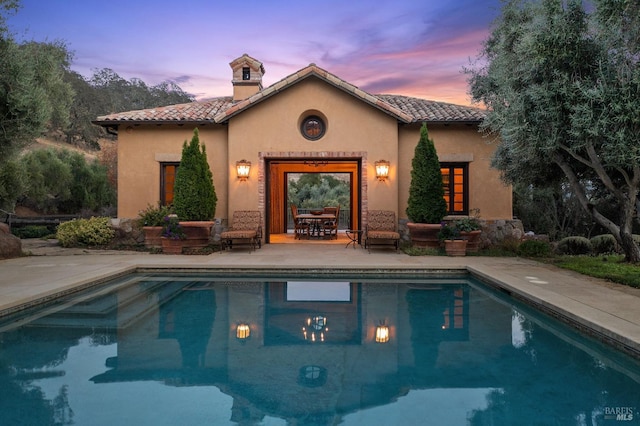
{"x": 276, "y": 172}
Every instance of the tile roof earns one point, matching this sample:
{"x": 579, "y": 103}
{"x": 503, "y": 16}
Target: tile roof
{"x": 218, "y": 110}
{"x": 199, "y": 111}
{"x": 432, "y": 111}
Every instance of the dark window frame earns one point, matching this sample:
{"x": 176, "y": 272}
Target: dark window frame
{"x": 451, "y": 188}
{"x": 309, "y": 132}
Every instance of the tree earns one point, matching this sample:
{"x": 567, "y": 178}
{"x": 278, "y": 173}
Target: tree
{"x": 32, "y": 96}
{"x": 562, "y": 88}
{"x": 33, "y": 93}
{"x": 426, "y": 202}
{"x": 317, "y": 190}
{"x": 194, "y": 194}
{"x": 62, "y": 181}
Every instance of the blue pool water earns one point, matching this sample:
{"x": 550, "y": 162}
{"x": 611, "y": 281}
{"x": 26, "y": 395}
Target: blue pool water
{"x": 156, "y": 349}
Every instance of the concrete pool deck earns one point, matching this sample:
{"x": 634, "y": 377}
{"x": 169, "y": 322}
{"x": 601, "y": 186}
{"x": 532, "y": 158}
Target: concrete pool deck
{"x": 609, "y": 311}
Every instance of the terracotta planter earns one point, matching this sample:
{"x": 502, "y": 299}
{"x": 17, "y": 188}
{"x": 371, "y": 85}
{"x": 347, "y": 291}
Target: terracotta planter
{"x": 170, "y": 246}
{"x": 197, "y": 233}
{"x": 152, "y": 236}
{"x": 473, "y": 240}
{"x": 455, "y": 247}
{"x": 424, "y": 234}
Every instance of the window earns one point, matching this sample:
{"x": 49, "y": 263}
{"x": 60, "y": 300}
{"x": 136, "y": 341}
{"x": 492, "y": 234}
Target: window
{"x": 246, "y": 73}
{"x": 167, "y": 182}
{"x": 312, "y": 128}
{"x": 455, "y": 179}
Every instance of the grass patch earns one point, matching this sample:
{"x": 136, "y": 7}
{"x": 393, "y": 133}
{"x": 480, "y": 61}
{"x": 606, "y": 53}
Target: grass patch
{"x": 612, "y": 268}
{"x": 421, "y": 251}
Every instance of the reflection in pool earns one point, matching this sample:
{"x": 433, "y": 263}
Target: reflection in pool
{"x": 194, "y": 349}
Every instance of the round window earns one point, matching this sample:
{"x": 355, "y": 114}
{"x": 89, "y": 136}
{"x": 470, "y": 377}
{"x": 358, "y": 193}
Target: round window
{"x": 313, "y": 128}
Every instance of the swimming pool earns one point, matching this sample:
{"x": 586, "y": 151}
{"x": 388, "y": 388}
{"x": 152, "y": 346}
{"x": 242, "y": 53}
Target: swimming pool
{"x": 191, "y": 349}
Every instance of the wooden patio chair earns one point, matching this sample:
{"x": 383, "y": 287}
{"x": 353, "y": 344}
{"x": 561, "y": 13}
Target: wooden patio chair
{"x": 246, "y": 228}
{"x": 381, "y": 229}
{"x": 300, "y": 227}
{"x": 330, "y": 227}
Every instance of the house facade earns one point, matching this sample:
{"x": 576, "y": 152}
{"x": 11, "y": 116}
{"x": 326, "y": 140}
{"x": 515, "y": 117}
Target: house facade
{"x": 309, "y": 122}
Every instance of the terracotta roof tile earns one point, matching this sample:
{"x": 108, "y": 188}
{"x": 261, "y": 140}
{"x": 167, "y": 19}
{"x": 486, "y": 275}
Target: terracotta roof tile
{"x": 404, "y": 108}
{"x": 198, "y": 111}
{"x": 425, "y": 110}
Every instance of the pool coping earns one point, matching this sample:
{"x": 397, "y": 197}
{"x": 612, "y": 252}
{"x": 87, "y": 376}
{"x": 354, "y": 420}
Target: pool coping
{"x": 591, "y": 320}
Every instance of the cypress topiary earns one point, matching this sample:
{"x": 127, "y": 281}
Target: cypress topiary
{"x": 194, "y": 194}
{"x": 426, "y": 202}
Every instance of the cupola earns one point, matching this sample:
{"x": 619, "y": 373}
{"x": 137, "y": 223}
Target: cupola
{"x": 247, "y": 77}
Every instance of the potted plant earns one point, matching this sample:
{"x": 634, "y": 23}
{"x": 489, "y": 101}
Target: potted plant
{"x": 195, "y": 199}
{"x": 454, "y": 244}
{"x": 173, "y": 235}
{"x": 152, "y": 221}
{"x": 426, "y": 205}
{"x": 470, "y": 230}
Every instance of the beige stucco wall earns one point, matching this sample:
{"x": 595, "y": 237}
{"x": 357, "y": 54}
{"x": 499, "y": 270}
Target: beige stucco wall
{"x": 458, "y": 143}
{"x": 142, "y": 148}
{"x": 272, "y": 127}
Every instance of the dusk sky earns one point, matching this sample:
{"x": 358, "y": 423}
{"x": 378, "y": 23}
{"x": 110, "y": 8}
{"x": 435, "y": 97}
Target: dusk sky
{"x": 403, "y": 47}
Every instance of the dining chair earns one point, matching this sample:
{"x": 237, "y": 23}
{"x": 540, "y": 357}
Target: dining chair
{"x": 300, "y": 226}
{"x": 330, "y": 227}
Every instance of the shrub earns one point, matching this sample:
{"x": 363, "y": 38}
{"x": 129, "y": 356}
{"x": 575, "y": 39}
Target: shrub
{"x": 194, "y": 194}
{"x": 96, "y": 231}
{"x": 154, "y": 216}
{"x": 534, "y": 248}
{"x": 468, "y": 224}
{"x": 63, "y": 181}
{"x": 426, "y": 202}
{"x": 31, "y": 231}
{"x": 574, "y": 246}
{"x": 604, "y": 244}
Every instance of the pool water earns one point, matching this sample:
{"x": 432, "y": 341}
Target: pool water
{"x": 157, "y": 349}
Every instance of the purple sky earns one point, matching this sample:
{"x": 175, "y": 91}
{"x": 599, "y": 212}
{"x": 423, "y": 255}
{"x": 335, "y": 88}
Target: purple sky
{"x": 405, "y": 47}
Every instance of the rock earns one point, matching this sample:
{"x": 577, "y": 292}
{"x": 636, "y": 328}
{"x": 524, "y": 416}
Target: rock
{"x": 10, "y": 245}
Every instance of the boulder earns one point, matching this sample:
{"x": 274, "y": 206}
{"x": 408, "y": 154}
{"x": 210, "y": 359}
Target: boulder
{"x": 10, "y": 245}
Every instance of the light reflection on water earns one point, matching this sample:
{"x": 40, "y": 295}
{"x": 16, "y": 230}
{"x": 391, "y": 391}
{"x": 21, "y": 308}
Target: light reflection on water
{"x": 164, "y": 350}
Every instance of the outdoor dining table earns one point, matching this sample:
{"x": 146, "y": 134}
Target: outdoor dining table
{"x": 316, "y": 221}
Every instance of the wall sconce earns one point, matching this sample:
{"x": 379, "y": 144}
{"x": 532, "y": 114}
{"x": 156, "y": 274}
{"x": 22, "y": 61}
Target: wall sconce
{"x": 382, "y": 333}
{"x": 243, "y": 167}
{"x": 243, "y": 331}
{"x": 382, "y": 170}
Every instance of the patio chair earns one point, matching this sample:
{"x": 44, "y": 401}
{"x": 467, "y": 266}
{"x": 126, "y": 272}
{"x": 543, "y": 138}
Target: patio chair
{"x": 381, "y": 229}
{"x": 246, "y": 228}
{"x": 330, "y": 227}
{"x": 300, "y": 227}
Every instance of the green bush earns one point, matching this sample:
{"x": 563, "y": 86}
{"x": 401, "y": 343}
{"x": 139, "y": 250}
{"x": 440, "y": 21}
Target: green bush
{"x": 154, "y": 215}
{"x": 604, "y": 244}
{"x": 574, "y": 246}
{"x": 96, "y": 231}
{"x": 194, "y": 194}
{"x": 426, "y": 202}
{"x": 63, "y": 181}
{"x": 534, "y": 248}
{"x": 32, "y": 231}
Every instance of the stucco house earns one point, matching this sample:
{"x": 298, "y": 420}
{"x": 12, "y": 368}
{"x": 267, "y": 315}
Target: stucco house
{"x": 310, "y": 121}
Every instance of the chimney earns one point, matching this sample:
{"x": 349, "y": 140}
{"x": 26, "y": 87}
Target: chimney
{"x": 247, "y": 77}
